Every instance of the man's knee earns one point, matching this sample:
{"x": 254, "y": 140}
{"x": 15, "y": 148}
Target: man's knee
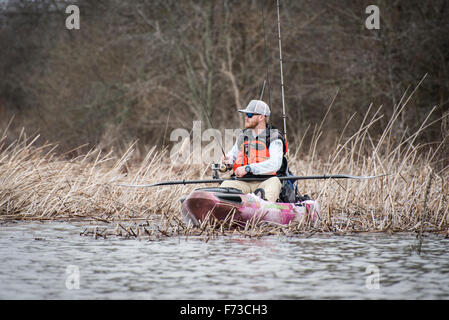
{"x": 236, "y": 184}
{"x": 273, "y": 182}
{"x": 272, "y": 187}
{"x": 225, "y": 184}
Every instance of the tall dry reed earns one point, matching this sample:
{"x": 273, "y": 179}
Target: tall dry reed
{"x": 37, "y": 184}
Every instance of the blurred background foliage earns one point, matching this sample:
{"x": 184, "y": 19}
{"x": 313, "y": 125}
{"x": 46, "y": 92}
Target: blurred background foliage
{"x": 139, "y": 69}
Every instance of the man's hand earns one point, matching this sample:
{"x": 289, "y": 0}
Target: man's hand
{"x": 240, "y": 172}
{"x": 226, "y": 160}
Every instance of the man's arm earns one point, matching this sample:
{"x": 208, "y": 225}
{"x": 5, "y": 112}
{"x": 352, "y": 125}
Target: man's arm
{"x": 231, "y": 156}
{"x": 274, "y": 163}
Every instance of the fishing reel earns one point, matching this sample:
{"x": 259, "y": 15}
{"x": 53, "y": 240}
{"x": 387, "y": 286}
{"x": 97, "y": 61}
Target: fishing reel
{"x": 219, "y": 167}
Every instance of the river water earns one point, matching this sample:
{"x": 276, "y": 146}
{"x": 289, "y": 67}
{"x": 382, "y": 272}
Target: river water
{"x": 52, "y": 261}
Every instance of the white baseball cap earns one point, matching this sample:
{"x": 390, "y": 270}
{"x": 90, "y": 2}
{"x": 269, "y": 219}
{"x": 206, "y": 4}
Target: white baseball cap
{"x": 257, "y": 107}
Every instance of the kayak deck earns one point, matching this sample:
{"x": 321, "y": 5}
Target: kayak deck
{"x": 221, "y": 204}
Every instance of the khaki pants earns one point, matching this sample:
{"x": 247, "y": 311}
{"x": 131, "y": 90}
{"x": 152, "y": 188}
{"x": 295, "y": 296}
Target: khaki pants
{"x": 272, "y": 187}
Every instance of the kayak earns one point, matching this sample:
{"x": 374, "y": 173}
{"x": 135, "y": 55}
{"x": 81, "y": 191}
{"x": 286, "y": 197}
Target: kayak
{"x": 230, "y": 203}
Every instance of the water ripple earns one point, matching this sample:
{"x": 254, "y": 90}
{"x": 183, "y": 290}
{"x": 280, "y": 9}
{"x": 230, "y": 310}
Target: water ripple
{"x": 35, "y": 257}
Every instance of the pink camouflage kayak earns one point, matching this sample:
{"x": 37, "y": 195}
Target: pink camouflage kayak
{"x": 226, "y": 203}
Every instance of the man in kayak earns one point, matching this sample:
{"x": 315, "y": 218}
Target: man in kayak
{"x": 258, "y": 152}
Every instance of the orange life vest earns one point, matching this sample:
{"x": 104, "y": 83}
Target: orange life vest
{"x": 255, "y": 149}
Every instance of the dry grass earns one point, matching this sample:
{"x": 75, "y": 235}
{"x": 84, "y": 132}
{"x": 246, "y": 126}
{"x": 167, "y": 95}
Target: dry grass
{"x": 37, "y": 184}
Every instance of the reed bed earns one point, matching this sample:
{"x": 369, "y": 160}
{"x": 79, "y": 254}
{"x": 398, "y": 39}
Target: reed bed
{"x": 37, "y": 184}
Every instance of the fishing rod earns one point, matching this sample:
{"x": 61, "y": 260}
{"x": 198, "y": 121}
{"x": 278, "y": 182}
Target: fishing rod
{"x": 282, "y": 75}
{"x": 210, "y": 123}
{"x": 263, "y": 88}
{"x": 220, "y": 167}
{"x": 266, "y": 61}
{"x": 294, "y": 178}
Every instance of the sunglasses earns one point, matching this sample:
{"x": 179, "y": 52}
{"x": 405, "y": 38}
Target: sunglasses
{"x": 250, "y": 115}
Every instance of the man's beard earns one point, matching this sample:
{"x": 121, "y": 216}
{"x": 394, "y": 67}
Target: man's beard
{"x": 250, "y": 125}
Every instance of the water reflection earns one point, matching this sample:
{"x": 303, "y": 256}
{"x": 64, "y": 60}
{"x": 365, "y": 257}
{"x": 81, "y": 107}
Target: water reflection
{"x": 35, "y": 257}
